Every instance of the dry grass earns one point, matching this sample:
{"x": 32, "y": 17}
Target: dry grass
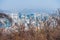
{"x": 32, "y": 35}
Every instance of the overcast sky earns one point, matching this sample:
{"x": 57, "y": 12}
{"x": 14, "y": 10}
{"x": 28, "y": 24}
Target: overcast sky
{"x": 16, "y": 5}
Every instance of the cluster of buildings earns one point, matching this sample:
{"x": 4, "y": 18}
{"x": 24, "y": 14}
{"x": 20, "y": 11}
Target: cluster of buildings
{"x": 34, "y": 19}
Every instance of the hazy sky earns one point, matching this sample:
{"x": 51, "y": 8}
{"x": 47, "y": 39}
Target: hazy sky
{"x": 16, "y": 5}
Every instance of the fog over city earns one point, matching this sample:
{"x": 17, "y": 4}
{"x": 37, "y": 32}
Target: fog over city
{"x": 17, "y": 5}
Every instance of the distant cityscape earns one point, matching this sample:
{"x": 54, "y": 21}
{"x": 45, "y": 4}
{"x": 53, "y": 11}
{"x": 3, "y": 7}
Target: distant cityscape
{"x": 26, "y": 18}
